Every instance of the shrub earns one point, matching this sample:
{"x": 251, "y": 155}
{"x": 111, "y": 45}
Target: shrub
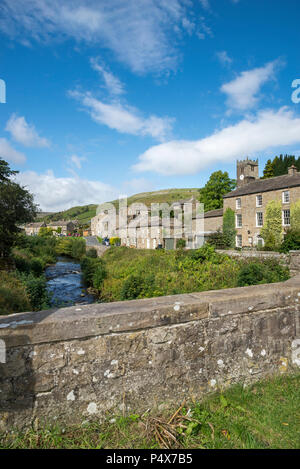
{"x": 272, "y": 229}
{"x": 89, "y": 266}
{"x": 78, "y": 248}
{"x": 229, "y": 231}
{"x": 13, "y": 294}
{"x": 45, "y": 232}
{"x": 92, "y": 252}
{"x": 99, "y": 276}
{"x": 36, "y": 288}
{"x": 295, "y": 215}
{"x": 291, "y": 240}
{"x": 250, "y": 275}
{"x": 22, "y": 263}
{"x": 267, "y": 271}
{"x": 204, "y": 253}
{"x": 219, "y": 240}
{"x": 180, "y": 243}
{"x": 36, "y": 267}
{"x": 132, "y": 287}
{"x": 73, "y": 247}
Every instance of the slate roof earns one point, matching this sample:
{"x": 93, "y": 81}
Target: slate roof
{"x": 35, "y": 224}
{"x": 265, "y": 185}
{"x": 214, "y": 213}
{"x": 59, "y": 223}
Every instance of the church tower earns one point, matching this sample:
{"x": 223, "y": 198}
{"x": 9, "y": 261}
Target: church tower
{"x": 246, "y": 171}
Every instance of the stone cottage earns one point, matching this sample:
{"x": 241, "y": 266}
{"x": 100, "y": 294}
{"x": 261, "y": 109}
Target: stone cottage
{"x": 65, "y": 226}
{"x": 32, "y": 229}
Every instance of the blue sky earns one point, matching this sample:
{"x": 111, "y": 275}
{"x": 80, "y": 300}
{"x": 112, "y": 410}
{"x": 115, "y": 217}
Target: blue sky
{"x": 119, "y": 97}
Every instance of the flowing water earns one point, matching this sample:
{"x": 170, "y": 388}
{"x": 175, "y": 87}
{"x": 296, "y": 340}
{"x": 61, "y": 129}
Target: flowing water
{"x": 65, "y": 283}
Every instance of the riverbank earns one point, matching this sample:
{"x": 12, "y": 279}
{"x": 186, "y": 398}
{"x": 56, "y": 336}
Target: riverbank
{"x": 262, "y": 416}
{"x": 24, "y": 287}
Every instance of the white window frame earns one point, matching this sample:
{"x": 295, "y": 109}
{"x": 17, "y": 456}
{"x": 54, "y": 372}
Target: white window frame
{"x": 238, "y": 216}
{"x": 283, "y": 217}
{"x": 259, "y": 197}
{"x": 239, "y": 237}
{"x": 257, "y": 224}
{"x": 284, "y": 201}
{"x": 238, "y": 203}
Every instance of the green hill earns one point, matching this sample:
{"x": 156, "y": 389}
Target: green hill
{"x": 84, "y": 213}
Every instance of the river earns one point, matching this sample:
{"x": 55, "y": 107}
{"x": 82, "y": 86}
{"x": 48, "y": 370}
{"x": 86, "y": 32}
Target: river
{"x": 65, "y": 283}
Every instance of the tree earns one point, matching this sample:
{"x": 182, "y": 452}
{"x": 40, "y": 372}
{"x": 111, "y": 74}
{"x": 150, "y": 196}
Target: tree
{"x": 229, "y": 231}
{"x": 272, "y": 229}
{"x": 5, "y": 171}
{"x": 212, "y": 193}
{"x": 16, "y": 208}
{"x": 295, "y": 216}
{"x": 45, "y": 232}
{"x": 282, "y": 163}
{"x": 269, "y": 170}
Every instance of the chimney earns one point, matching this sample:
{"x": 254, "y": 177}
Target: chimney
{"x": 292, "y": 170}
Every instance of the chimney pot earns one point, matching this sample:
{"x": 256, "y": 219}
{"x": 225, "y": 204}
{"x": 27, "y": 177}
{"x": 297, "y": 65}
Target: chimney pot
{"x": 292, "y": 170}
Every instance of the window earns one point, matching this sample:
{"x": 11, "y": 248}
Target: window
{"x": 238, "y": 203}
{"x": 238, "y": 241}
{"x": 286, "y": 197}
{"x": 258, "y": 200}
{"x": 239, "y": 223}
{"x": 286, "y": 217}
{"x": 259, "y": 219}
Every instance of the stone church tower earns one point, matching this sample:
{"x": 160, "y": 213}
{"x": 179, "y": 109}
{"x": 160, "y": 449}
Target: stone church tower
{"x": 247, "y": 171}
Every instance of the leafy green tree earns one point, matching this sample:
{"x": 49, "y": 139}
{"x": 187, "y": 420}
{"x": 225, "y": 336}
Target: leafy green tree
{"x": 229, "y": 230}
{"x": 272, "y": 229}
{"x": 269, "y": 170}
{"x": 44, "y": 232}
{"x": 5, "y": 171}
{"x": 295, "y": 216}
{"x": 16, "y": 208}
{"x": 219, "y": 184}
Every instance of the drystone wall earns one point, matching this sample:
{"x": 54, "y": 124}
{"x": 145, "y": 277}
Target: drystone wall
{"x": 76, "y": 364}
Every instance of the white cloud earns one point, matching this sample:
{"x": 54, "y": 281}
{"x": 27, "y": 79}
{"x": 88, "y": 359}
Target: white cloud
{"x": 76, "y": 160}
{"x": 205, "y": 4}
{"x": 141, "y": 34}
{"x": 224, "y": 57}
{"x": 242, "y": 91}
{"x": 112, "y": 83}
{"x": 24, "y": 133}
{"x": 269, "y": 129}
{"x": 123, "y": 118}
{"x": 8, "y": 153}
{"x": 60, "y": 193}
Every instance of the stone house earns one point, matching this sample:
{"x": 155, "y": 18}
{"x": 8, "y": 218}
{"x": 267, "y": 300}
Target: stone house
{"x": 66, "y": 226}
{"x": 249, "y": 200}
{"x": 32, "y": 229}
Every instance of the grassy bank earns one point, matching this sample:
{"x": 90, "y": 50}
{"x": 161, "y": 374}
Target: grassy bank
{"x": 264, "y": 415}
{"x": 125, "y": 274}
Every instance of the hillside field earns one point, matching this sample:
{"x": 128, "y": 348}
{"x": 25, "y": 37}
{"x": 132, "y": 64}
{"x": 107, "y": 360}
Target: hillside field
{"x": 84, "y": 213}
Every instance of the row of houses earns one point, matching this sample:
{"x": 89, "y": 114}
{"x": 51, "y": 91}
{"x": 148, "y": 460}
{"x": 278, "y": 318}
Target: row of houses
{"x": 64, "y": 227}
{"x": 249, "y": 201}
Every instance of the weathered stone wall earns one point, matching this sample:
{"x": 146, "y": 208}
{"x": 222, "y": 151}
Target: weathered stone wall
{"x": 291, "y": 260}
{"x": 75, "y": 364}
